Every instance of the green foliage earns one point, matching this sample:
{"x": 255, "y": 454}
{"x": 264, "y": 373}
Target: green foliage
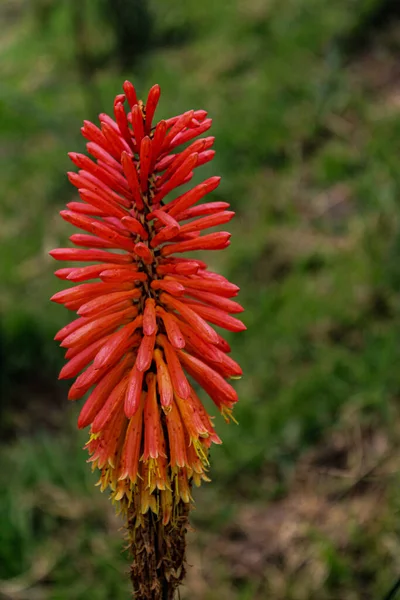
{"x": 57, "y": 530}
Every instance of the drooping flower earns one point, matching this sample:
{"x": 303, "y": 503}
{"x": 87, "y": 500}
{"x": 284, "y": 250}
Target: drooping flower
{"x": 144, "y": 330}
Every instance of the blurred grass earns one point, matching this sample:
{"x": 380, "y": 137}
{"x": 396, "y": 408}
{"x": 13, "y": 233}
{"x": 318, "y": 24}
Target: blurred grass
{"x": 54, "y": 527}
{"x": 305, "y": 100}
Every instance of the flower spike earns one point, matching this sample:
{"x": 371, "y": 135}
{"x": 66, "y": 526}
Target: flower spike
{"x": 145, "y": 327}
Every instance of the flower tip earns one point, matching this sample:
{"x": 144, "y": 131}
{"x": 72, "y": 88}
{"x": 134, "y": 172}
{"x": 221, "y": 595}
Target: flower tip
{"x": 213, "y": 183}
{"x": 124, "y": 475}
{"x": 82, "y": 422}
{"x": 155, "y": 90}
{"x": 55, "y": 298}
{"x": 73, "y": 394}
{"x": 215, "y": 438}
{"x": 129, "y": 411}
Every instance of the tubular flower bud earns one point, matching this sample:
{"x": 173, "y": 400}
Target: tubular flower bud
{"x": 145, "y": 327}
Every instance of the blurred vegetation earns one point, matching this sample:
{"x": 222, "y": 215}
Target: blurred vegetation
{"x": 305, "y": 97}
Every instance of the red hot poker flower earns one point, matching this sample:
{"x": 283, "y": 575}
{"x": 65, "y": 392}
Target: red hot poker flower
{"x": 146, "y": 321}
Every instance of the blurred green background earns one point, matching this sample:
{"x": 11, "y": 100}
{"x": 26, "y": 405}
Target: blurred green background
{"x": 305, "y": 97}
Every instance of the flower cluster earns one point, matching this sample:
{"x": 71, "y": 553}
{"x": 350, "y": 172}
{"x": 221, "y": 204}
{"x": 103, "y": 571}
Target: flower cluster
{"x": 144, "y": 326}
